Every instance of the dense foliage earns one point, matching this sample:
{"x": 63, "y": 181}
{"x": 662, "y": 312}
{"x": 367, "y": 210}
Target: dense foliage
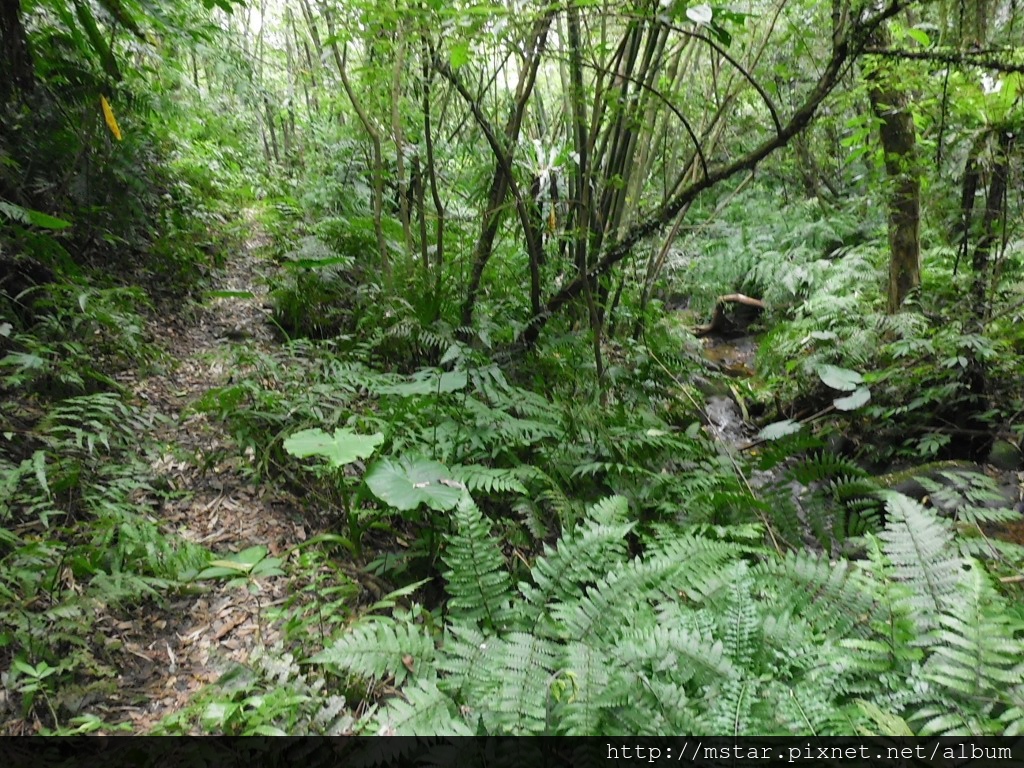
{"x": 485, "y": 237}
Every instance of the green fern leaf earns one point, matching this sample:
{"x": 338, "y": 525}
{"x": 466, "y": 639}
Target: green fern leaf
{"x": 478, "y": 582}
{"x": 918, "y": 545}
{"x": 974, "y": 651}
{"x": 580, "y": 558}
{"x": 830, "y": 597}
{"x": 422, "y": 710}
{"x": 380, "y": 648}
{"x": 488, "y": 479}
{"x": 580, "y": 711}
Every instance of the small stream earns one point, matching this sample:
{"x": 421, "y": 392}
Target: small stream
{"x": 735, "y": 358}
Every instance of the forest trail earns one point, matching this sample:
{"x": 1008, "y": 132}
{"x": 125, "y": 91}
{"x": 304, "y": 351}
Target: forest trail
{"x": 174, "y": 649}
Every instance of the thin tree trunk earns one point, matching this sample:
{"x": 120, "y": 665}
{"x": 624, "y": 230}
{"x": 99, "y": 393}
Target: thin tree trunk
{"x": 979, "y": 433}
{"x": 500, "y": 182}
{"x": 378, "y": 161}
{"x": 17, "y": 74}
{"x": 577, "y": 102}
{"x": 314, "y": 33}
{"x": 994, "y": 211}
{"x": 396, "y": 131}
{"x": 428, "y": 136}
{"x": 271, "y": 129}
{"x": 658, "y": 220}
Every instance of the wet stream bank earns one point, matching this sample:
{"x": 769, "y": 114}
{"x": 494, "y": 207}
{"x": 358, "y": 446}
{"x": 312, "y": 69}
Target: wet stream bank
{"x": 951, "y": 487}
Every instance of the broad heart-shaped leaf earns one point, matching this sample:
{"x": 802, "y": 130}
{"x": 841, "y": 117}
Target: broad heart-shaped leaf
{"x": 411, "y": 481}
{"x": 429, "y": 381}
{"x": 842, "y": 379}
{"x": 779, "y": 429}
{"x": 339, "y": 449}
{"x": 852, "y": 402}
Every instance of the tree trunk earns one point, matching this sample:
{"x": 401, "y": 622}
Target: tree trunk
{"x": 501, "y": 182}
{"x": 994, "y": 212}
{"x": 378, "y": 162}
{"x": 16, "y": 71}
{"x": 899, "y": 144}
{"x": 976, "y": 427}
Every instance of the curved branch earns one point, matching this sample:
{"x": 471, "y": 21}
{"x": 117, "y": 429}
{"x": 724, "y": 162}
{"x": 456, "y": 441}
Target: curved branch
{"x": 621, "y": 249}
{"x": 501, "y": 155}
{"x": 746, "y": 75}
{"x": 847, "y": 44}
{"x": 669, "y": 105}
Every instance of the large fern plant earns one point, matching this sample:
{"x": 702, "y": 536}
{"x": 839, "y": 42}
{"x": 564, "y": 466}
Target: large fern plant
{"x": 701, "y": 634}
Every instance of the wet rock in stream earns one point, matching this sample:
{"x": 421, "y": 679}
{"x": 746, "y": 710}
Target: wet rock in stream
{"x": 726, "y": 420}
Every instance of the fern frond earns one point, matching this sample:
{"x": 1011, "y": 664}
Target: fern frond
{"x": 831, "y": 598}
{"x": 567, "y": 510}
{"x": 520, "y": 701}
{"x": 582, "y": 557}
{"x": 488, "y": 479}
{"x": 467, "y": 660}
{"x": 378, "y": 648}
{"x": 948, "y": 719}
{"x": 805, "y": 706}
{"x": 421, "y": 710}
{"x": 740, "y": 622}
{"x": 580, "y": 711}
{"x": 888, "y": 651}
{"x": 478, "y": 582}
{"x": 823, "y": 466}
{"x": 973, "y": 652}
{"x": 680, "y": 654}
{"x": 700, "y": 561}
{"x": 985, "y": 548}
{"x": 730, "y": 710}
{"x": 918, "y": 544}
{"x": 617, "y": 600}
{"x": 1013, "y": 717}
{"x": 505, "y": 679}
{"x": 535, "y": 520}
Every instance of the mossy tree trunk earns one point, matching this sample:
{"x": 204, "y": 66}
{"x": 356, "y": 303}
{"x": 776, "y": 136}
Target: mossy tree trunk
{"x": 890, "y": 104}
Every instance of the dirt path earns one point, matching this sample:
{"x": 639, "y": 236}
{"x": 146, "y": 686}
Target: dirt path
{"x": 174, "y": 649}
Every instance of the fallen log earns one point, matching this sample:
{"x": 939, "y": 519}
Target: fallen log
{"x": 733, "y": 315}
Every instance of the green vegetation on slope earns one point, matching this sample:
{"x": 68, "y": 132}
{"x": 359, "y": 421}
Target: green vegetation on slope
{"x": 463, "y": 349}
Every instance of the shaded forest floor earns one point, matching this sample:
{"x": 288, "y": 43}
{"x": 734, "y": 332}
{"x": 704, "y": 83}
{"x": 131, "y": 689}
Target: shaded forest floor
{"x": 166, "y": 650}
{"x": 176, "y": 648}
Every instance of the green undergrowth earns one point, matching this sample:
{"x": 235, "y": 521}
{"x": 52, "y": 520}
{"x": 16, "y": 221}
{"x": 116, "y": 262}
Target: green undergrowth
{"x": 823, "y": 281}
{"x": 534, "y": 460}
{"x": 99, "y": 235}
{"x": 80, "y": 545}
{"x": 595, "y": 640}
{"x": 604, "y": 567}
{"x": 80, "y": 539}
{"x": 703, "y": 631}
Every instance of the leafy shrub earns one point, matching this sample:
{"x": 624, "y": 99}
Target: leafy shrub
{"x": 671, "y": 641}
{"x": 80, "y": 336}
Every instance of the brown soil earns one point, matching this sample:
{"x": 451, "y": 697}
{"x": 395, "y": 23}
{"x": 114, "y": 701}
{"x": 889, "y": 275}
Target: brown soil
{"x": 175, "y": 649}
{"x": 164, "y": 652}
